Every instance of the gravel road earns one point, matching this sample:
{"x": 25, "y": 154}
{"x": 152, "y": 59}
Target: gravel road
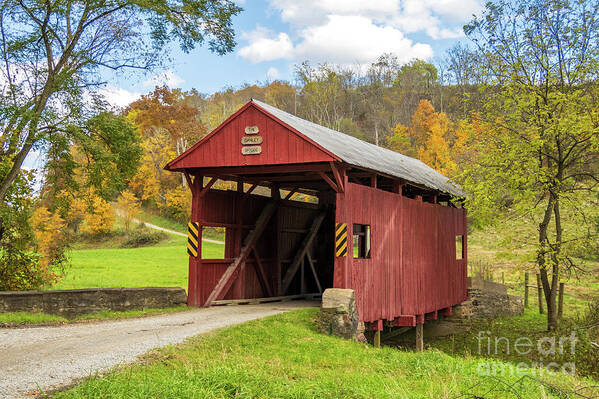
{"x": 48, "y": 357}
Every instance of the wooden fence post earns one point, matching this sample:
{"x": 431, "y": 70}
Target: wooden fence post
{"x": 526, "y": 289}
{"x": 540, "y": 293}
{"x": 560, "y": 307}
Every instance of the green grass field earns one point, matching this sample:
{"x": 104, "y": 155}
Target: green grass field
{"x": 165, "y": 264}
{"x": 284, "y": 357}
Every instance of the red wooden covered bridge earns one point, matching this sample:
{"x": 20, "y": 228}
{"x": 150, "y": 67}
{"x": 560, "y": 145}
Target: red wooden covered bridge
{"x": 381, "y": 223}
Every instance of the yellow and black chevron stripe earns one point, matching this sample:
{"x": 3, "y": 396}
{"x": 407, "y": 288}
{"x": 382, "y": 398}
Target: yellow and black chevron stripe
{"x": 192, "y": 238}
{"x": 340, "y": 239}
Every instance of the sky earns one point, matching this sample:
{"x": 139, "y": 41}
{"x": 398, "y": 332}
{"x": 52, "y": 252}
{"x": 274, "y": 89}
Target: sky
{"x": 274, "y": 35}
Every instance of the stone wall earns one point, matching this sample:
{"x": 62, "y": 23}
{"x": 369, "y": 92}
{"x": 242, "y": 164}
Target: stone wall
{"x": 70, "y": 303}
{"x": 486, "y": 300}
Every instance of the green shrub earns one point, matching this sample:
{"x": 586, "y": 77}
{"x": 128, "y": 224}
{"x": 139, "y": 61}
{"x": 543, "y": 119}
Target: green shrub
{"x": 142, "y": 238}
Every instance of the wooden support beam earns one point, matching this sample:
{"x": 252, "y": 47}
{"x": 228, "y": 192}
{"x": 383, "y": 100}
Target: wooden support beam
{"x": 397, "y": 187}
{"x": 265, "y": 169}
{"x": 311, "y": 263}
{"x": 290, "y": 194}
{"x": 232, "y": 272}
{"x": 251, "y": 301}
{"x": 252, "y": 188}
{"x": 261, "y": 274}
{"x": 404, "y": 321}
{"x": 206, "y": 188}
{"x": 188, "y": 179}
{"x": 316, "y": 223}
{"x": 302, "y": 276}
{"x": 378, "y": 327}
{"x": 338, "y": 177}
{"x": 330, "y": 182}
{"x": 419, "y": 338}
{"x": 419, "y": 319}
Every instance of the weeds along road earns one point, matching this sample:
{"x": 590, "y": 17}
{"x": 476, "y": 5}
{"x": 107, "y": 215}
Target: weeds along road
{"x": 45, "y": 358}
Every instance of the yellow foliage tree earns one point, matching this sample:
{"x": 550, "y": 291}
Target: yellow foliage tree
{"x": 435, "y": 150}
{"x": 399, "y": 141}
{"x": 128, "y": 206}
{"x": 428, "y": 138}
{"x": 100, "y": 218}
{"x": 178, "y": 203}
{"x": 48, "y": 231}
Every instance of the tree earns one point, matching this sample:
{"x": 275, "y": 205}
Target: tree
{"x": 53, "y": 52}
{"x": 48, "y": 231}
{"x": 166, "y": 115}
{"x": 100, "y": 217}
{"x": 428, "y": 138}
{"x": 540, "y": 147}
{"x": 128, "y": 207}
{"x": 21, "y": 267}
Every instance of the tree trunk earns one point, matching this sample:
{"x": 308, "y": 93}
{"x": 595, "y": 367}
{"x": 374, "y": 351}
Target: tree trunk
{"x": 551, "y": 299}
{"x": 542, "y": 263}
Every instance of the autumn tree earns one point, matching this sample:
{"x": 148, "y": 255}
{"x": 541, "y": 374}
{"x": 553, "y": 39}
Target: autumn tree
{"x": 428, "y": 138}
{"x": 48, "y": 229}
{"x": 54, "y": 53}
{"x": 24, "y": 266}
{"x": 100, "y": 217}
{"x": 540, "y": 147}
{"x": 167, "y": 123}
{"x": 128, "y": 207}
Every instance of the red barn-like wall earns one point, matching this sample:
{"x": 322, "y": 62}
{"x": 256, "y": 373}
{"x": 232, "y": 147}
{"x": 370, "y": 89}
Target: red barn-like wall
{"x": 413, "y": 268}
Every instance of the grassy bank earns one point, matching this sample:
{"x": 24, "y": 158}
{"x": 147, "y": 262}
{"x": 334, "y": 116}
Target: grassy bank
{"x": 15, "y": 319}
{"x": 165, "y": 264}
{"x": 284, "y": 357}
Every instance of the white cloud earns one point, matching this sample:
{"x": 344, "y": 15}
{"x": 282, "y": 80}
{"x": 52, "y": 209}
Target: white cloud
{"x": 428, "y": 16}
{"x": 349, "y": 31}
{"x": 315, "y": 12}
{"x": 264, "y": 47}
{"x": 351, "y": 39}
{"x": 457, "y": 11}
{"x": 273, "y": 73}
{"x": 117, "y": 96}
{"x": 168, "y": 78}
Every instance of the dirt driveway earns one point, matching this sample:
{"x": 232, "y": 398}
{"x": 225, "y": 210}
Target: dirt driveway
{"x": 47, "y": 357}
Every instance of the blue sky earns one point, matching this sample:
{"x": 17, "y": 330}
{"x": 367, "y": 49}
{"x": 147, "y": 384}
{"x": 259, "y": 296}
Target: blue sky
{"x": 274, "y": 35}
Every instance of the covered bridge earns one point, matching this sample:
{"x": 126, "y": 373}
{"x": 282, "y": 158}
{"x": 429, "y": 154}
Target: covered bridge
{"x": 378, "y": 222}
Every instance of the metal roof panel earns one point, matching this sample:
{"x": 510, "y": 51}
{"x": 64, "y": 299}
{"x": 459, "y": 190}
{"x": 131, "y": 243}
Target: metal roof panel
{"x": 362, "y": 154}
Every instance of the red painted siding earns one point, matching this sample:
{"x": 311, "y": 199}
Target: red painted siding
{"x": 413, "y": 267}
{"x": 223, "y": 147}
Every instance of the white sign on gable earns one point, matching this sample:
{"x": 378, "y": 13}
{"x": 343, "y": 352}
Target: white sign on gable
{"x": 251, "y": 150}
{"x": 251, "y": 140}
